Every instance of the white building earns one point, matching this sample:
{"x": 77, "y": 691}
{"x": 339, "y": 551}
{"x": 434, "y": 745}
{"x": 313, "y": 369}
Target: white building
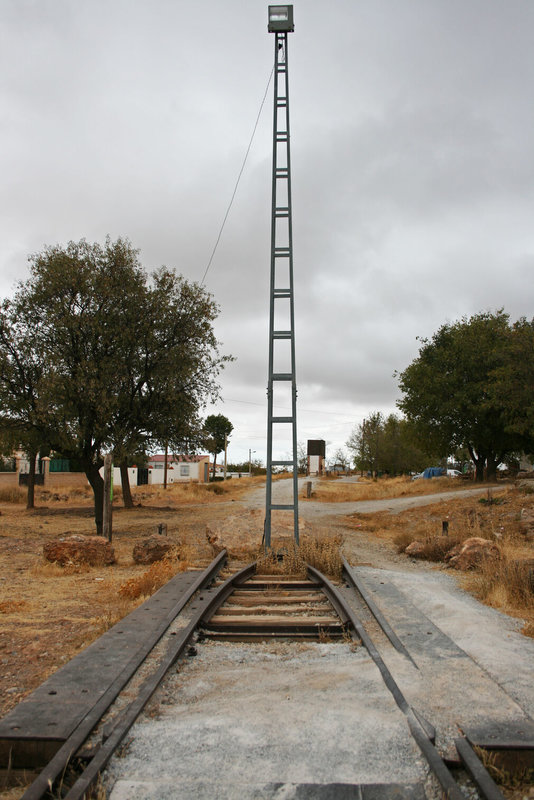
{"x": 180, "y": 469}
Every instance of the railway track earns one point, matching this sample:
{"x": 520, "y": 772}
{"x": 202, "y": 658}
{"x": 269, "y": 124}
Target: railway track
{"x": 246, "y": 607}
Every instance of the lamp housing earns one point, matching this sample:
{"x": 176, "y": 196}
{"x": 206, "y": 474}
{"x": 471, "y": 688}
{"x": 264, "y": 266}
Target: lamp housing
{"x": 281, "y": 19}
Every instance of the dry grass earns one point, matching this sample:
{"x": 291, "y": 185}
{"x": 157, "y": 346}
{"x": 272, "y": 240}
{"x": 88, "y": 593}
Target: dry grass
{"x": 178, "y": 494}
{"x": 327, "y": 491}
{"x": 507, "y": 583}
{"x": 110, "y": 618}
{"x": 154, "y": 578}
{"x": 324, "y": 554}
{"x": 13, "y": 494}
{"x": 516, "y": 784}
{"x": 175, "y": 494}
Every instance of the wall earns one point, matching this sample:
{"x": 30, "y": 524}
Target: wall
{"x": 54, "y": 479}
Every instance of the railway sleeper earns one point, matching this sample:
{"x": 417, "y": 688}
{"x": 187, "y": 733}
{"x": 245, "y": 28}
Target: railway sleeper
{"x": 266, "y": 607}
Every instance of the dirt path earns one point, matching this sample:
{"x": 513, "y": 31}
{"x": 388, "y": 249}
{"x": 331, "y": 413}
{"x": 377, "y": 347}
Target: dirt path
{"x": 327, "y": 519}
{"x": 310, "y": 509}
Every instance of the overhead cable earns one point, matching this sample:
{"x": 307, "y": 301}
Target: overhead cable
{"x": 238, "y": 179}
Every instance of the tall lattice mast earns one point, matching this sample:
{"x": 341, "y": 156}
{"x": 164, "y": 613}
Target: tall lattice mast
{"x": 281, "y": 319}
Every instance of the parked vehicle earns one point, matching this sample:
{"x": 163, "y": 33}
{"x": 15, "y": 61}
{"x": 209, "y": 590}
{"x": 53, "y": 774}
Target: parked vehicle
{"x": 454, "y": 473}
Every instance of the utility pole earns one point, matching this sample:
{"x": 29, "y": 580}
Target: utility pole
{"x": 281, "y": 317}
{"x": 107, "y": 513}
{"x": 165, "y": 465}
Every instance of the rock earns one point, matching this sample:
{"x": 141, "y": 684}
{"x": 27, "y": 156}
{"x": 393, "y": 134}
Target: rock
{"x": 526, "y": 523}
{"x": 78, "y": 549}
{"x": 214, "y": 540}
{"x": 415, "y": 549}
{"x": 241, "y": 534}
{"x": 470, "y": 553}
{"x": 155, "y": 548}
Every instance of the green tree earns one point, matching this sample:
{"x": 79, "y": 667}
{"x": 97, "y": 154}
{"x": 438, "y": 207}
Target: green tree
{"x": 386, "y": 444}
{"x": 217, "y": 429}
{"x": 128, "y": 360}
{"x": 365, "y": 442}
{"x": 23, "y": 379}
{"x": 512, "y": 387}
{"x": 452, "y": 394}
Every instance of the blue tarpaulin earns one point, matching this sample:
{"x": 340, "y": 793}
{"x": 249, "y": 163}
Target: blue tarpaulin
{"x": 434, "y": 472}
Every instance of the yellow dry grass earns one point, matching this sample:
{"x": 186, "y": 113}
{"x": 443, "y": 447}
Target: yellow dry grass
{"x": 176, "y": 494}
{"x": 12, "y": 494}
{"x": 328, "y": 491}
{"x": 322, "y": 553}
{"x": 157, "y": 575}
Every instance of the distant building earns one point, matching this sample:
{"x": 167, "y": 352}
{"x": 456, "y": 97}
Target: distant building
{"x": 316, "y": 456}
{"x": 180, "y": 469}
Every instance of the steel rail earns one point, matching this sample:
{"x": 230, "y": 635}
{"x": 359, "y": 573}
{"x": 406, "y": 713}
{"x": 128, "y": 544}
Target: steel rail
{"x": 485, "y": 783}
{"x": 226, "y": 589}
{"x": 212, "y": 599}
{"x": 417, "y": 728}
{"x": 376, "y": 612}
{"x": 59, "y": 762}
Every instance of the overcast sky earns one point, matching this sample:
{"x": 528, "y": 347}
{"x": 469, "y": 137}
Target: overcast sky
{"x": 412, "y": 146}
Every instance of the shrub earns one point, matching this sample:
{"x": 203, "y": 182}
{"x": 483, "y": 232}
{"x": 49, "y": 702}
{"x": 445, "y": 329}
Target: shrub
{"x": 154, "y": 578}
{"x": 402, "y": 540}
{"x": 323, "y": 554}
{"x": 510, "y": 577}
{"x": 12, "y": 494}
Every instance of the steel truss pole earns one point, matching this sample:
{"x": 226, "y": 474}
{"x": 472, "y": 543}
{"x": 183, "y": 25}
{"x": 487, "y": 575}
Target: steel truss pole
{"x": 281, "y": 317}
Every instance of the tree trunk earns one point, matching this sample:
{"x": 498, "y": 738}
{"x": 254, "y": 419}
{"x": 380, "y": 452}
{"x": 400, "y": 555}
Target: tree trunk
{"x": 491, "y": 472}
{"x": 30, "y": 502}
{"x": 97, "y": 484}
{"x": 479, "y": 461}
{"x": 125, "y": 483}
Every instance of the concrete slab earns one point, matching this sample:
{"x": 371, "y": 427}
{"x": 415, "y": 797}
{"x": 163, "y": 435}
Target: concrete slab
{"x": 278, "y": 713}
{"x": 162, "y": 790}
{"x": 453, "y": 690}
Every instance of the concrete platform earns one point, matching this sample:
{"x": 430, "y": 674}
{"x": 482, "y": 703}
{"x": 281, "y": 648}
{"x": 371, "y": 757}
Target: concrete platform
{"x": 271, "y": 718}
{"x": 161, "y": 790}
{"x": 456, "y": 690}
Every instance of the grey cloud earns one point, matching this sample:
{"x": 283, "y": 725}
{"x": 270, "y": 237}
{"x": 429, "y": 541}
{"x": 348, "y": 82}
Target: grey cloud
{"x": 413, "y": 171}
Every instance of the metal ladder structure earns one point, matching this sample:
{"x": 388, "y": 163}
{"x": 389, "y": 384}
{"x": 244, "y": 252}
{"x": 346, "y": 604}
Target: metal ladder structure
{"x": 281, "y": 320}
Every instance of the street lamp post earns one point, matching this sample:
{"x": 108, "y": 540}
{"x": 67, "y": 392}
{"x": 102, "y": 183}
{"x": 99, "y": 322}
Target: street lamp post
{"x": 281, "y": 334}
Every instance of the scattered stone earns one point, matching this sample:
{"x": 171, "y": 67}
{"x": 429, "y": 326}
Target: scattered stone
{"x": 469, "y": 554}
{"x": 415, "y": 549}
{"x": 150, "y": 550}
{"x": 75, "y": 549}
